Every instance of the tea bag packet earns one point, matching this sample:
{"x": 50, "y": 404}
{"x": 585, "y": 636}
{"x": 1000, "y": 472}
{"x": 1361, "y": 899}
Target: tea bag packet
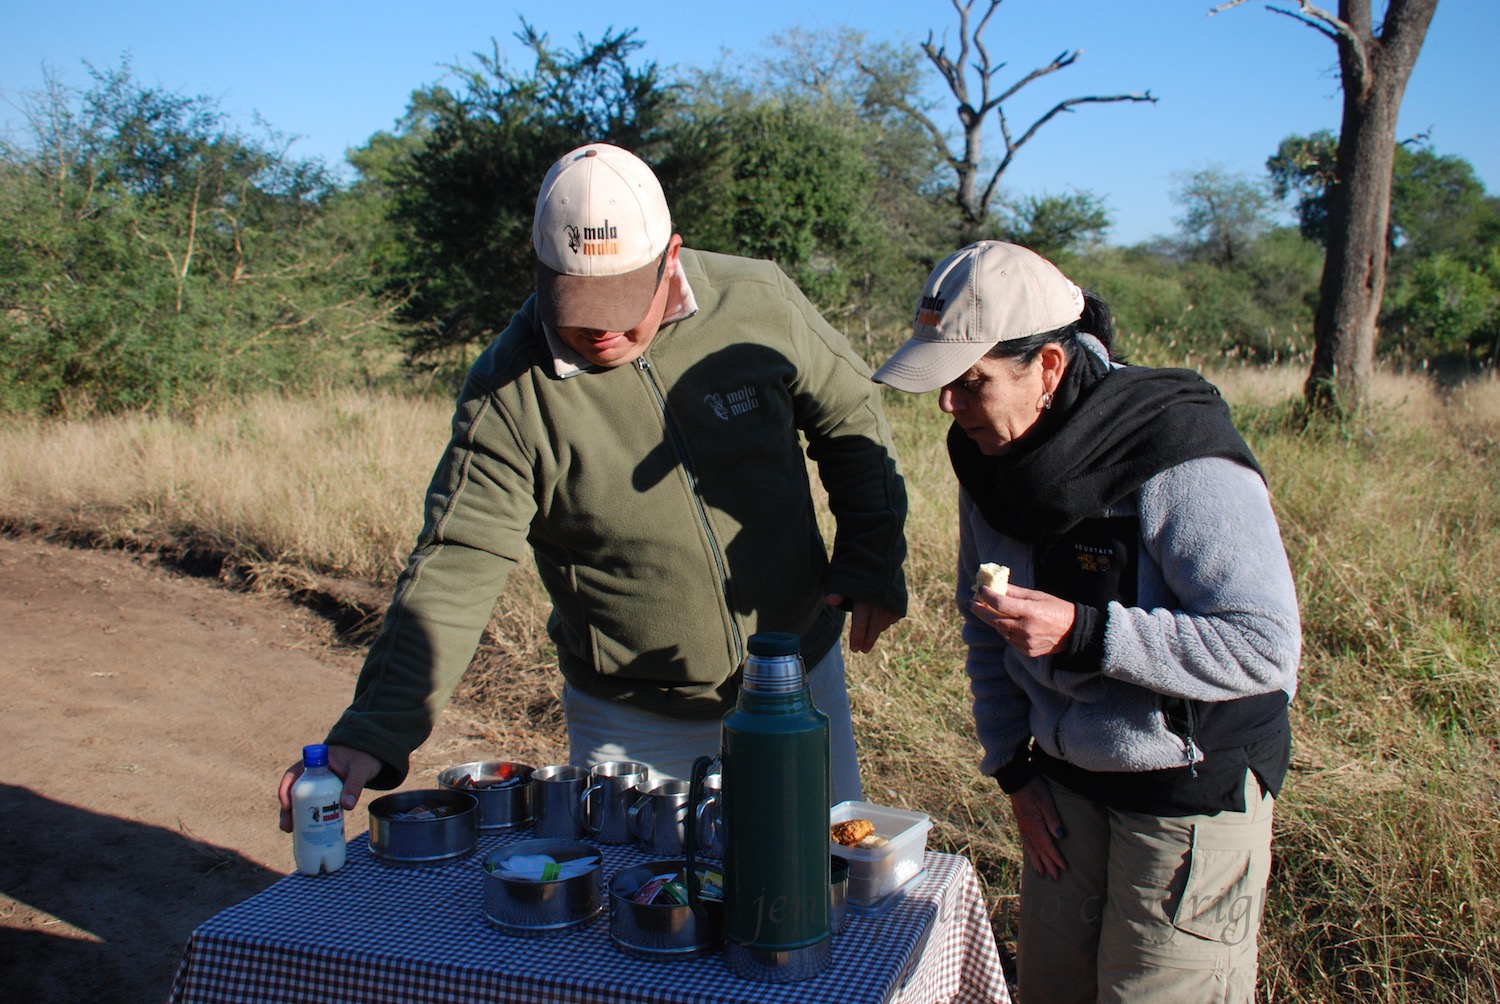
{"x": 543, "y": 867}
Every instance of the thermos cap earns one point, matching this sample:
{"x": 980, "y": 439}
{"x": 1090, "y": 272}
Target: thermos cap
{"x": 774, "y": 665}
{"x": 775, "y": 643}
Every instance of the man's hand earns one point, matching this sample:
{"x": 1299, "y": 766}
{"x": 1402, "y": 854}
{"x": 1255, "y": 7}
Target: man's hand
{"x": 867, "y": 622}
{"x": 356, "y": 767}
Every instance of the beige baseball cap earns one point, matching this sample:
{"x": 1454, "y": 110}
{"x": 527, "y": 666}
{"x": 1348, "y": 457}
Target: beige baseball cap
{"x": 600, "y": 232}
{"x": 977, "y": 297}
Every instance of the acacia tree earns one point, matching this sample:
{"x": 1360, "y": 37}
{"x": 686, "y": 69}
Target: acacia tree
{"x": 1053, "y": 224}
{"x": 1222, "y": 215}
{"x": 1374, "y": 67}
{"x": 1443, "y": 264}
{"x": 974, "y": 107}
{"x": 808, "y": 157}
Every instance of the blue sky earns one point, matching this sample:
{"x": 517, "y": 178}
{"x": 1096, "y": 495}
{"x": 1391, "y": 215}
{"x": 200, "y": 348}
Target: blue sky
{"x": 1230, "y": 86}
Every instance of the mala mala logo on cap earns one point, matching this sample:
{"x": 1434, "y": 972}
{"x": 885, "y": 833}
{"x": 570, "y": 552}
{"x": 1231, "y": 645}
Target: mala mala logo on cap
{"x": 593, "y": 240}
{"x": 601, "y": 229}
{"x": 929, "y": 312}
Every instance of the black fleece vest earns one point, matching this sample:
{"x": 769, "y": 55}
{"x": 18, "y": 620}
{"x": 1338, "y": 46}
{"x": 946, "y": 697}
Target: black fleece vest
{"x": 1096, "y": 561}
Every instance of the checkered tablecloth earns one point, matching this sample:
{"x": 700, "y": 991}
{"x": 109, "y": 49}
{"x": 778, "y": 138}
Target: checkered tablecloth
{"x": 370, "y": 933}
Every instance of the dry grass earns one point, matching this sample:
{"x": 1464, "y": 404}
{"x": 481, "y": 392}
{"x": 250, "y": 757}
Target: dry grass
{"x": 1388, "y": 840}
{"x": 330, "y": 485}
{"x": 1389, "y": 831}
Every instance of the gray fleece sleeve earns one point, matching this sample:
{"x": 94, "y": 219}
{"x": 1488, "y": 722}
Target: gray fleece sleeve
{"x": 1001, "y": 707}
{"x": 1230, "y": 627}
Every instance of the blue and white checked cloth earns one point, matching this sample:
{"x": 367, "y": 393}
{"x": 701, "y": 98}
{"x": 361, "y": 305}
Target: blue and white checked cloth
{"x": 369, "y": 933}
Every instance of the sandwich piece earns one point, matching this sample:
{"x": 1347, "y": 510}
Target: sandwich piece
{"x": 992, "y": 575}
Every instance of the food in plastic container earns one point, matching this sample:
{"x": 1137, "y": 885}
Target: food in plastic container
{"x": 893, "y": 855}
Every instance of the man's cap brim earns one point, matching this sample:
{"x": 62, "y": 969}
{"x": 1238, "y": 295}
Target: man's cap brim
{"x": 599, "y": 303}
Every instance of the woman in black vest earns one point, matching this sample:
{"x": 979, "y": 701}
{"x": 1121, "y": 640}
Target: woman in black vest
{"x": 1131, "y": 684}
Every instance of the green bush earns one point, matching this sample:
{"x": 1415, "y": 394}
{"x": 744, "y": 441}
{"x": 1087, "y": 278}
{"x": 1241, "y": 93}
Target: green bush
{"x": 152, "y": 259}
{"x": 1174, "y": 312}
{"x": 1445, "y": 308}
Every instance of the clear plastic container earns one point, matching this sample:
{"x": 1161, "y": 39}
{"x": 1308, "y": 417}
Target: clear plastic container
{"x": 876, "y": 873}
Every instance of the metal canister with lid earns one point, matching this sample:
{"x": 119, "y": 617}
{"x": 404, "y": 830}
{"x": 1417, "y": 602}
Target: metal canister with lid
{"x": 775, "y": 764}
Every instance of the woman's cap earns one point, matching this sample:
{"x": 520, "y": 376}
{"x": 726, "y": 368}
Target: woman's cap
{"x": 600, "y": 230}
{"x": 977, "y": 297}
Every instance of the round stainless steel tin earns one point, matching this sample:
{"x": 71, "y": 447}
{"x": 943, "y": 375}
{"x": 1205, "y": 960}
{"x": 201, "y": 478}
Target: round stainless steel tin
{"x": 499, "y": 808}
{"x": 423, "y": 842}
{"x": 660, "y": 930}
{"x": 529, "y": 908}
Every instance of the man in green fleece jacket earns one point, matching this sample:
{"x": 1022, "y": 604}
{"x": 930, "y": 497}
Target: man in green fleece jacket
{"x": 636, "y": 429}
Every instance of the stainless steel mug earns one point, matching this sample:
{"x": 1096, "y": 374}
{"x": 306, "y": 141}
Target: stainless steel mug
{"x": 838, "y": 893}
{"x": 607, "y": 799}
{"x": 557, "y": 801}
{"x": 708, "y": 817}
{"x": 658, "y": 817}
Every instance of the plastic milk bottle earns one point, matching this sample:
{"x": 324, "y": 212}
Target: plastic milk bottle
{"x": 317, "y": 814}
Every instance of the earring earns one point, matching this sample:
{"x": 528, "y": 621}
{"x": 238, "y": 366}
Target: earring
{"x": 1046, "y": 400}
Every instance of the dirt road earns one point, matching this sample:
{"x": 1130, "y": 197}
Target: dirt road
{"x": 145, "y": 718}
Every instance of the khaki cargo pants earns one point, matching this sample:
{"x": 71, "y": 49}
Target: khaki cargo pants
{"x": 1150, "y": 908}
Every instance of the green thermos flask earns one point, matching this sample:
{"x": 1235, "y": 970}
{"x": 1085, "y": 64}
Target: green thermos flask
{"x": 775, "y": 790}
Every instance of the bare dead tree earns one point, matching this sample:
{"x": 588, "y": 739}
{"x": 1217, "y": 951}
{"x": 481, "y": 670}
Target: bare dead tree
{"x": 974, "y": 108}
{"x": 1374, "y": 66}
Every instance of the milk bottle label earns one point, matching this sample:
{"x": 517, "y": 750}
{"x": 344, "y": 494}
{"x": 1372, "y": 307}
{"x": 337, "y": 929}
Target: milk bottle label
{"x": 326, "y": 826}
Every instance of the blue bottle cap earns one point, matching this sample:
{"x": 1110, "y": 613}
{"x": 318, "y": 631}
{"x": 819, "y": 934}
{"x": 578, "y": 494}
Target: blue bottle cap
{"x": 315, "y": 755}
{"x": 775, "y": 643}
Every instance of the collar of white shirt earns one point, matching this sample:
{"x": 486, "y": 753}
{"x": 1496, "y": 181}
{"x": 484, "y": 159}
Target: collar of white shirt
{"x": 681, "y": 304}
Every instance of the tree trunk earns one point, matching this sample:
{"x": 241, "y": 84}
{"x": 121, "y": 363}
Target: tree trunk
{"x": 1375, "y": 70}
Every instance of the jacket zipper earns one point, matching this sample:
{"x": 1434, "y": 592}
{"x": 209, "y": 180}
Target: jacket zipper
{"x": 682, "y": 455}
{"x": 1189, "y": 722}
{"x": 1190, "y": 749}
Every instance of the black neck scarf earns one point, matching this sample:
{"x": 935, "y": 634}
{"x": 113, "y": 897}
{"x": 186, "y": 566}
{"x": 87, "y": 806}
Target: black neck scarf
{"x": 1108, "y": 432}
